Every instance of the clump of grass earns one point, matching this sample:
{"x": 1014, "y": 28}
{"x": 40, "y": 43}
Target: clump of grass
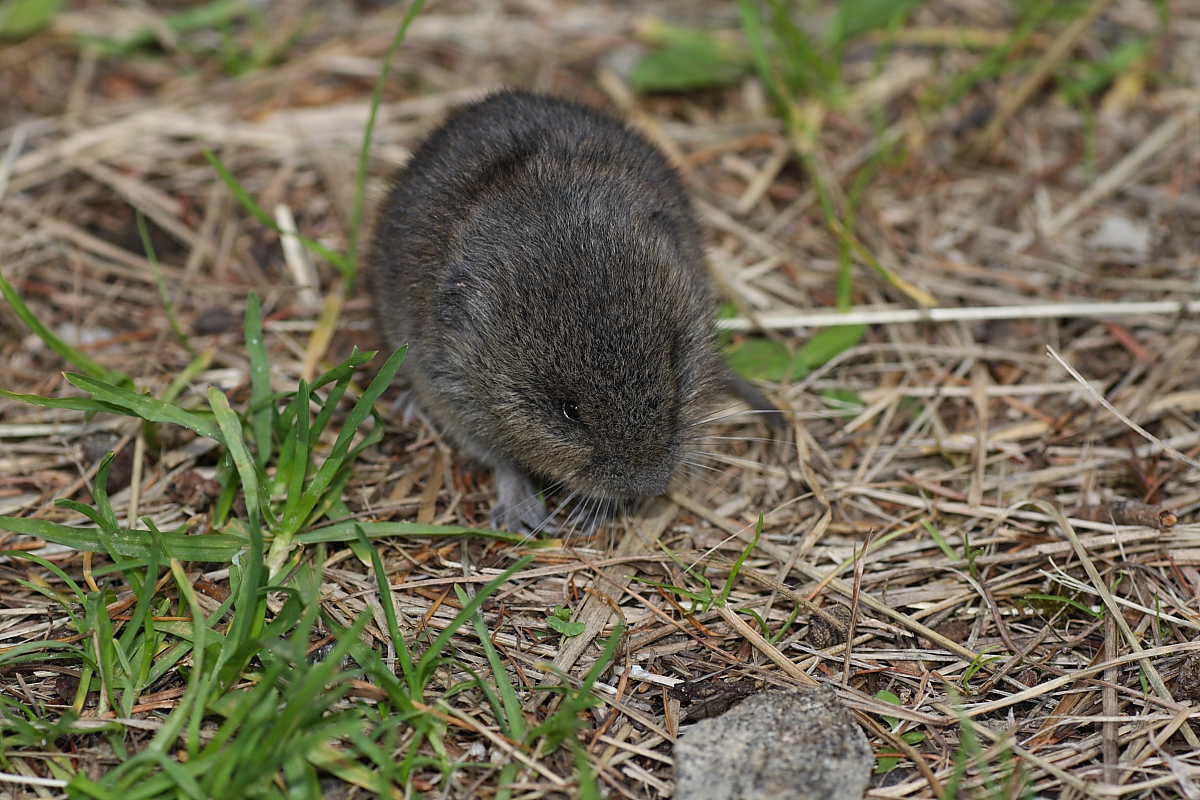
{"x": 256, "y": 712}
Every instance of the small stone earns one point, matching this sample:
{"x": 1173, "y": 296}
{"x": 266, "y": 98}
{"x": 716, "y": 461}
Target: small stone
{"x": 1121, "y": 235}
{"x": 775, "y": 744}
{"x": 217, "y": 319}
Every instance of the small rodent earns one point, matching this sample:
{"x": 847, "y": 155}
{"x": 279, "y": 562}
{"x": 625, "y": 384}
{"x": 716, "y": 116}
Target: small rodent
{"x": 544, "y": 265}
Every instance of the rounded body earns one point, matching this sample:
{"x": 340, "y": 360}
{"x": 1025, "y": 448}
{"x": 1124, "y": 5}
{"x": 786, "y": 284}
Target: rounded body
{"x": 543, "y": 263}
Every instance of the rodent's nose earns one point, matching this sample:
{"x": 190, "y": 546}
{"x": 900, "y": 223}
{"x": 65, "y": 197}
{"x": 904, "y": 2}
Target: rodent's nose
{"x": 632, "y": 483}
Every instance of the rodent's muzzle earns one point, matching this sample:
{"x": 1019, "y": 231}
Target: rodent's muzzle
{"x": 631, "y": 482}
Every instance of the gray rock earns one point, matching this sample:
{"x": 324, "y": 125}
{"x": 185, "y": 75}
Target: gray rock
{"x": 1122, "y": 239}
{"x": 775, "y": 744}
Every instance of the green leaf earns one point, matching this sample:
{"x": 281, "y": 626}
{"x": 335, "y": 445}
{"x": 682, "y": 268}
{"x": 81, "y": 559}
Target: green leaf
{"x": 947, "y": 549}
{"x": 856, "y": 17}
{"x": 760, "y": 358}
{"x": 231, "y": 432}
{"x": 755, "y": 28}
{"x": 847, "y": 401}
{"x": 424, "y": 667}
{"x": 209, "y": 16}
{"x": 396, "y": 636}
{"x": 1081, "y": 80}
{"x": 688, "y": 59}
{"x": 211, "y": 547}
{"x": 565, "y": 627}
{"x": 827, "y": 343}
{"x": 886, "y": 764}
{"x": 71, "y": 403}
{"x": 19, "y": 18}
{"x": 144, "y": 406}
{"x": 294, "y": 458}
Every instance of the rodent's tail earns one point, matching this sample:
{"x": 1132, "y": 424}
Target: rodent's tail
{"x": 743, "y": 389}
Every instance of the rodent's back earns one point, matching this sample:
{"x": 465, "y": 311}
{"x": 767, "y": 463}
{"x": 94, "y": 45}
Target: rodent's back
{"x": 540, "y": 257}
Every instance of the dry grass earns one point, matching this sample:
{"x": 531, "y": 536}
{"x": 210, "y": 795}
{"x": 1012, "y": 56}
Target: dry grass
{"x": 997, "y": 546}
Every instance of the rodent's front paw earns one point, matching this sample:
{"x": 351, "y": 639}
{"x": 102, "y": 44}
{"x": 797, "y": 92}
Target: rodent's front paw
{"x": 519, "y": 508}
{"x": 527, "y": 517}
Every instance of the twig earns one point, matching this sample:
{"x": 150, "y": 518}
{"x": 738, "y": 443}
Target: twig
{"x": 885, "y": 316}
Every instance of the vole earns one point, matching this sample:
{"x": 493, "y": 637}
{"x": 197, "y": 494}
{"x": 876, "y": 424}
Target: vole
{"x": 544, "y": 265}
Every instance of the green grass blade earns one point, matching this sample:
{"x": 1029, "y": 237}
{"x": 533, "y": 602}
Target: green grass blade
{"x": 200, "y": 17}
{"x": 357, "y": 359}
{"x": 308, "y": 692}
{"x": 70, "y": 403}
{"x": 148, "y": 408}
{"x": 345, "y": 532}
{"x": 296, "y": 457}
{"x": 211, "y": 547}
{"x": 249, "y": 611}
{"x": 107, "y": 518}
{"x": 316, "y": 489}
{"x": 329, "y": 405}
{"x": 723, "y": 597}
{"x": 364, "y": 152}
{"x": 333, "y": 257}
{"x": 65, "y": 351}
{"x": 512, "y": 720}
{"x": 403, "y": 654}
{"x": 606, "y": 656}
{"x": 262, "y": 409}
{"x": 49, "y": 566}
{"x": 469, "y": 609}
{"x": 231, "y": 434}
{"x": 588, "y": 790}
{"x": 142, "y": 607}
{"x": 163, "y": 295}
{"x": 166, "y": 736}
{"x": 185, "y": 377}
{"x": 752, "y": 26}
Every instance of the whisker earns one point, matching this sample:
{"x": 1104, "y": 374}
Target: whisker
{"x": 595, "y": 517}
{"x": 767, "y": 439}
{"x": 735, "y": 412}
{"x": 697, "y": 472}
{"x": 577, "y": 513}
{"x": 534, "y": 496}
{"x": 724, "y": 458}
{"x": 550, "y": 515}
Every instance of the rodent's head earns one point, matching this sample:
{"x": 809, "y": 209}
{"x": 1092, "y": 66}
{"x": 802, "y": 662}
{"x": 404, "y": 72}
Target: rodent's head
{"x": 590, "y": 364}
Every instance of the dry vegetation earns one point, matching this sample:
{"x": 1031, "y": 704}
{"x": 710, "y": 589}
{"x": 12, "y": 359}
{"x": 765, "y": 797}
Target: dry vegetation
{"x": 1017, "y": 564}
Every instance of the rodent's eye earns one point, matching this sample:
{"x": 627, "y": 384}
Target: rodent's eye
{"x": 571, "y": 411}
